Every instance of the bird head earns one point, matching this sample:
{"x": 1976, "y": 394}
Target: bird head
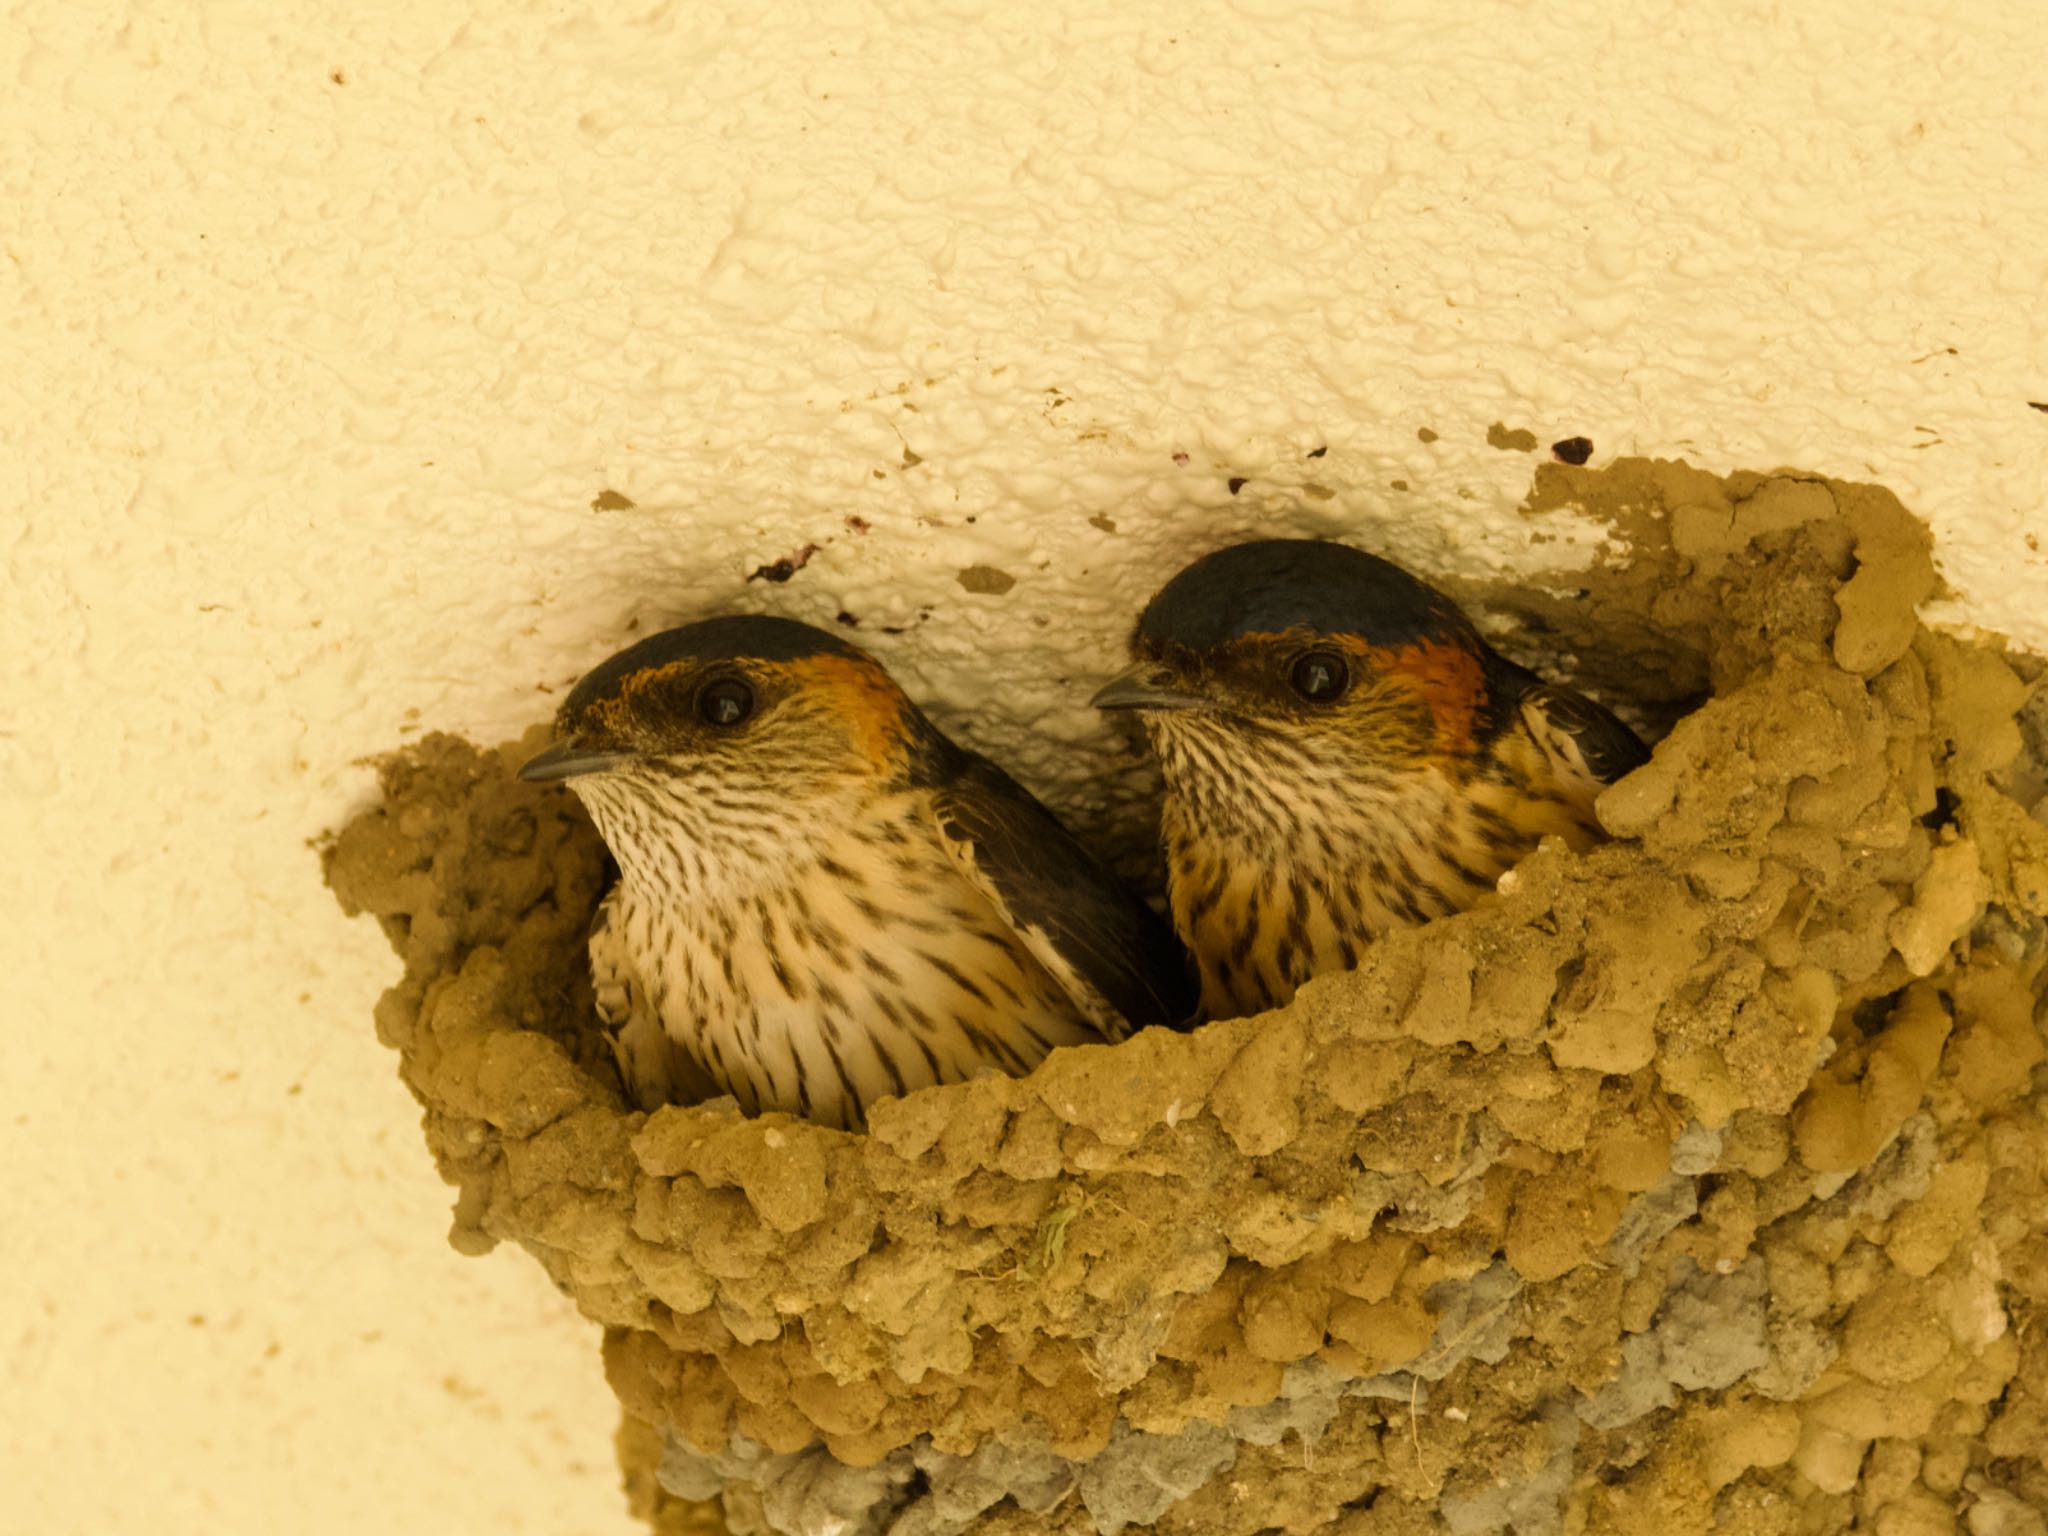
{"x": 1310, "y": 655}
{"x": 728, "y": 726}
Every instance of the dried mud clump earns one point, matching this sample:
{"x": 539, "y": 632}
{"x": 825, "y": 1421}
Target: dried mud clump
{"x": 1696, "y": 1184}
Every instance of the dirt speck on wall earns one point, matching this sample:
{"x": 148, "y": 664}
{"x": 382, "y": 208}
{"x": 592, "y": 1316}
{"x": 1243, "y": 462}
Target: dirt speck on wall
{"x": 1693, "y": 1184}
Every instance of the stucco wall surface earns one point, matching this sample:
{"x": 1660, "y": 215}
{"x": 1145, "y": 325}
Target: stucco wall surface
{"x": 377, "y": 369}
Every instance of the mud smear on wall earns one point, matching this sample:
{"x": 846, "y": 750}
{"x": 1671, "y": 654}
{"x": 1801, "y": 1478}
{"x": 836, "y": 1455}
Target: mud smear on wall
{"x": 1693, "y": 1184}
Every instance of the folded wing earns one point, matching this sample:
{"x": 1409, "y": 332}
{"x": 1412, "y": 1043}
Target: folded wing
{"x": 1114, "y": 955}
{"x": 1582, "y": 739}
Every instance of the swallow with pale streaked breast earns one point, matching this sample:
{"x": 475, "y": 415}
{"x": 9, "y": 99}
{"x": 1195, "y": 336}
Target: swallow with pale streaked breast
{"x": 821, "y": 899}
{"x": 1342, "y": 753}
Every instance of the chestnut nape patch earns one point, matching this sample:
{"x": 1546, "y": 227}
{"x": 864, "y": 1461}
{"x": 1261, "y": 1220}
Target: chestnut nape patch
{"x": 1689, "y": 1183}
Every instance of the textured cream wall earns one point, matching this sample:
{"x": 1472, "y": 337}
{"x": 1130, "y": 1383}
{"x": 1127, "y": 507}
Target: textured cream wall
{"x": 322, "y": 327}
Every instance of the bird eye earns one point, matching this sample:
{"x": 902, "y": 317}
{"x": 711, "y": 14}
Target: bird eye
{"x": 1320, "y": 677}
{"x": 725, "y": 701}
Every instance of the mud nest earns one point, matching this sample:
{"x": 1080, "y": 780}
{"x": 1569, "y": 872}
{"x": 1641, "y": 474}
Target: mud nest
{"x": 1694, "y": 1184}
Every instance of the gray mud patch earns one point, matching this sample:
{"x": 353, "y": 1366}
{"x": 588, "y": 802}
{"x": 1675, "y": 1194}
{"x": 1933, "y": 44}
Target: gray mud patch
{"x": 1694, "y": 1184}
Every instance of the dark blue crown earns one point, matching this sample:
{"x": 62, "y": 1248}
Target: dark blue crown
{"x": 1278, "y": 584}
{"x": 733, "y": 637}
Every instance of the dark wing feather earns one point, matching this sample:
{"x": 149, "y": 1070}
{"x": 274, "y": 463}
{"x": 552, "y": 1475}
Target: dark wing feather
{"x": 1072, "y": 912}
{"x": 1571, "y": 724}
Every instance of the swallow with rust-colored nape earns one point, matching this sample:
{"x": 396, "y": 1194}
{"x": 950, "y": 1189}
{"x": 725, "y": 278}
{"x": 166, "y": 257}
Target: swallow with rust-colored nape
{"x": 821, "y": 899}
{"x": 1342, "y": 753}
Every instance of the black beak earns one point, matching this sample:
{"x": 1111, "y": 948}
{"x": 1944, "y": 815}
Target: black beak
{"x": 563, "y": 761}
{"x": 1145, "y": 686}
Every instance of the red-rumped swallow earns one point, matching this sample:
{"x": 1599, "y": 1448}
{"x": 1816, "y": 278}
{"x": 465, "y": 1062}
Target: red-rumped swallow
{"x": 821, "y": 899}
{"x": 1342, "y": 753}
